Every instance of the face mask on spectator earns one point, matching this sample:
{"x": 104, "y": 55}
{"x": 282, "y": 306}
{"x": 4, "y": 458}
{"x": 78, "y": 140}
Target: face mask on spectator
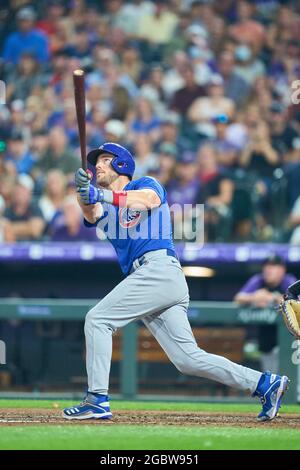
{"x": 243, "y": 53}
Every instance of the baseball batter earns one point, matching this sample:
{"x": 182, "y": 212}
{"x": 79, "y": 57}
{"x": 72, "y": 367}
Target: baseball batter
{"x": 135, "y": 216}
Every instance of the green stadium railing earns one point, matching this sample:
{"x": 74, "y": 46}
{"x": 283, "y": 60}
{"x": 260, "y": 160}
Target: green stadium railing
{"x": 200, "y": 313}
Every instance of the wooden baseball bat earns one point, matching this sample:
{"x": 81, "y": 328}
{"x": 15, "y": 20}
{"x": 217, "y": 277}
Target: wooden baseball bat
{"x": 79, "y": 95}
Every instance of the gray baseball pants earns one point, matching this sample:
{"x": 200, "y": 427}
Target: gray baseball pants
{"x": 156, "y": 293}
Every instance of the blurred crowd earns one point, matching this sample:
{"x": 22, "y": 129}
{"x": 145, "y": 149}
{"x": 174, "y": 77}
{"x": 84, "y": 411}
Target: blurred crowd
{"x": 203, "y": 92}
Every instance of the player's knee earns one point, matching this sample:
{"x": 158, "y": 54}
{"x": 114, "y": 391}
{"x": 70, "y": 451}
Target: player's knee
{"x": 94, "y": 319}
{"x": 90, "y": 320}
{"x": 186, "y": 366}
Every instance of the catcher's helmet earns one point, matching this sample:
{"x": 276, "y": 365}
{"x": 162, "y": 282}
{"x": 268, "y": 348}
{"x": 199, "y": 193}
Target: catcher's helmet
{"x": 123, "y": 163}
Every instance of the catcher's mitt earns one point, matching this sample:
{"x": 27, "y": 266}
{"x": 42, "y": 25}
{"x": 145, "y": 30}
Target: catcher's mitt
{"x": 290, "y": 310}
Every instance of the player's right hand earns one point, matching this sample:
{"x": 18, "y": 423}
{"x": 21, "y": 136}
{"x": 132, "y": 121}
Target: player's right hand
{"x": 82, "y": 179}
{"x": 90, "y": 194}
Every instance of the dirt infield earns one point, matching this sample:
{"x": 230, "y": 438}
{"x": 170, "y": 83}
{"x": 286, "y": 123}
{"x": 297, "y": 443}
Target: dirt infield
{"x": 17, "y": 417}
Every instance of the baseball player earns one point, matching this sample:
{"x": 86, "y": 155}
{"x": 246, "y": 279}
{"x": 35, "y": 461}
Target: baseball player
{"x": 135, "y": 216}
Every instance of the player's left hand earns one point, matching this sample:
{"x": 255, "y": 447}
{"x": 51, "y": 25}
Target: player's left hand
{"x": 90, "y": 194}
{"x": 82, "y": 178}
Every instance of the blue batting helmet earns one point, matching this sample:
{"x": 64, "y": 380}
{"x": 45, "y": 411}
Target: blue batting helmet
{"x": 123, "y": 163}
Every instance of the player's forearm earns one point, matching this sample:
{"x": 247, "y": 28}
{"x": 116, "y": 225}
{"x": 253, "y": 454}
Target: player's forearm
{"x": 142, "y": 200}
{"x": 138, "y": 199}
{"x": 91, "y": 212}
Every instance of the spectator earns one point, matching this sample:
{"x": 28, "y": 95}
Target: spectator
{"x": 115, "y": 131}
{"x": 104, "y": 59}
{"x": 7, "y": 167}
{"x": 248, "y": 67}
{"x": 260, "y": 160}
{"x": 143, "y": 120}
{"x": 36, "y": 114}
{"x": 39, "y": 143}
{"x": 25, "y": 80}
{"x": 81, "y": 47}
{"x": 58, "y": 155}
{"x": 184, "y": 97}
{"x": 145, "y": 159}
{"x": 262, "y": 96}
{"x": 247, "y": 30}
{"x": 69, "y": 226}
{"x": 235, "y": 87}
{"x": 130, "y": 61}
{"x": 185, "y": 186}
{"x": 265, "y": 290}
{"x": 52, "y": 200}
{"x": 200, "y": 52}
{"x": 173, "y": 78}
{"x": 204, "y": 109}
{"x": 282, "y": 133}
{"x": 216, "y": 192}
{"x": 17, "y": 118}
{"x": 127, "y": 15}
{"x": 120, "y": 103}
{"x": 24, "y": 218}
{"x": 26, "y": 40}
{"x": 170, "y": 132}
{"x": 166, "y": 163}
{"x": 6, "y": 234}
{"x": 50, "y": 23}
{"x": 19, "y": 155}
{"x": 182, "y": 196}
{"x": 260, "y": 157}
{"x": 178, "y": 42}
{"x": 69, "y": 123}
{"x": 227, "y": 152}
{"x": 294, "y": 223}
{"x": 153, "y": 89}
{"x": 158, "y": 27}
{"x": 60, "y": 62}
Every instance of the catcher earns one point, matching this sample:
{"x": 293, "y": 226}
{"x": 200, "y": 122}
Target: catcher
{"x": 290, "y": 309}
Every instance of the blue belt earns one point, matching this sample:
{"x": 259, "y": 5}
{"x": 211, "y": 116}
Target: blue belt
{"x": 142, "y": 259}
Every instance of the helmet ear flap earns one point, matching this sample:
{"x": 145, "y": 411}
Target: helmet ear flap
{"x": 119, "y": 164}
{"x": 115, "y": 163}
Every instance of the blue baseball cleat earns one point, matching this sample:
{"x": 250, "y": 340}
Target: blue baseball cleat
{"x": 94, "y": 406}
{"x": 270, "y": 391}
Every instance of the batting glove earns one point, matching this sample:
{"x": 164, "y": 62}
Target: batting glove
{"x": 82, "y": 179}
{"x": 90, "y": 195}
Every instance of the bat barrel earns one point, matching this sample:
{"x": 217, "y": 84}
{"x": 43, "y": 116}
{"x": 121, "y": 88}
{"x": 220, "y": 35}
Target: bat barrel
{"x": 79, "y": 95}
